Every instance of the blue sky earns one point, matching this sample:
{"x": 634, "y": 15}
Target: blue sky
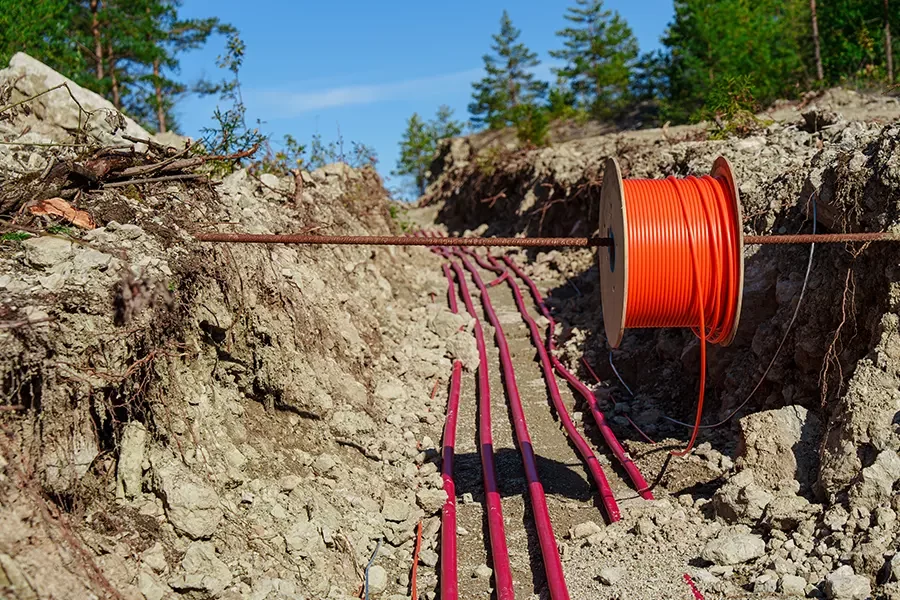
{"x": 363, "y": 67}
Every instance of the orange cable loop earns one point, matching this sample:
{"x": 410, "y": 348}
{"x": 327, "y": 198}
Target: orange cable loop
{"x": 684, "y": 252}
{"x": 414, "y": 594}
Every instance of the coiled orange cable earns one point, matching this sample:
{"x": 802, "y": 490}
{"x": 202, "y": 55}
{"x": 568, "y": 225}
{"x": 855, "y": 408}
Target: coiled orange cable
{"x": 684, "y": 261}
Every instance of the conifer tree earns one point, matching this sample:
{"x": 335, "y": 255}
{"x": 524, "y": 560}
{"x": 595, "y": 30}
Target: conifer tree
{"x": 419, "y": 143}
{"x": 509, "y": 83}
{"x": 126, "y": 50}
{"x": 42, "y": 30}
{"x": 600, "y": 51}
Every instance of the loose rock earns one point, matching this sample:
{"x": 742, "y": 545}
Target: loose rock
{"x": 844, "y": 584}
{"x": 734, "y": 548}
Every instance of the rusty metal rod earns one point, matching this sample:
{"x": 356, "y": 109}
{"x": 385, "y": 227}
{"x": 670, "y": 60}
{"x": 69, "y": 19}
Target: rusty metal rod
{"x": 388, "y": 240}
{"x": 822, "y": 238}
{"x": 525, "y": 242}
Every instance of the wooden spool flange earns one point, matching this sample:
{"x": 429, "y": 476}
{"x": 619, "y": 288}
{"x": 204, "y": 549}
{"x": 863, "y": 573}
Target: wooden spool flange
{"x": 614, "y": 258}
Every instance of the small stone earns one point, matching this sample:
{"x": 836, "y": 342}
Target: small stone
{"x": 151, "y": 587}
{"x": 611, "y": 575}
{"x": 482, "y": 572}
{"x": 378, "y": 579}
{"x": 269, "y": 180}
{"x": 289, "y": 482}
{"x": 765, "y": 584}
{"x": 390, "y": 391}
{"x": 395, "y": 510}
{"x": 894, "y": 567}
{"x": 460, "y": 530}
{"x": 732, "y": 549}
{"x": 878, "y": 480}
{"x": 203, "y": 570}
{"x": 885, "y": 517}
{"x": 585, "y": 530}
{"x": 324, "y": 464}
{"x": 431, "y": 501}
{"x": 429, "y": 558}
{"x": 131, "y": 457}
{"x": 644, "y": 526}
{"x": 155, "y": 558}
{"x": 191, "y": 505}
{"x": 45, "y": 252}
{"x": 844, "y": 584}
{"x": 792, "y": 586}
{"x": 467, "y": 498}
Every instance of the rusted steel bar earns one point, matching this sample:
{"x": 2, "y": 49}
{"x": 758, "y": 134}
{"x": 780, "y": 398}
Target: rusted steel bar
{"x": 521, "y": 242}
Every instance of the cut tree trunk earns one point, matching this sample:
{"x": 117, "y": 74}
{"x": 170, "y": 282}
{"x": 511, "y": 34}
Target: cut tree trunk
{"x": 95, "y": 31}
{"x": 888, "y": 48}
{"x": 160, "y": 107}
{"x": 820, "y": 73}
{"x": 116, "y": 98}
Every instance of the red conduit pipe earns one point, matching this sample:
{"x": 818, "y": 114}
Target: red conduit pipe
{"x": 449, "y": 570}
{"x": 494, "y": 509}
{"x": 549, "y": 551}
{"x": 608, "y": 435}
{"x": 596, "y": 471}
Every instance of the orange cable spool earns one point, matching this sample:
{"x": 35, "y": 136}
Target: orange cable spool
{"x": 676, "y": 258}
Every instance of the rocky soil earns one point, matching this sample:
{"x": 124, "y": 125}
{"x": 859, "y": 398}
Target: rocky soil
{"x": 796, "y": 496}
{"x": 200, "y": 421}
{"x": 189, "y": 420}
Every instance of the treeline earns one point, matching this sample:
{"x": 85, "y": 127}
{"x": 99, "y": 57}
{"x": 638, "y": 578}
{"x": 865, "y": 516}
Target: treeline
{"x": 129, "y": 51}
{"x": 717, "y": 55}
{"x": 126, "y": 50}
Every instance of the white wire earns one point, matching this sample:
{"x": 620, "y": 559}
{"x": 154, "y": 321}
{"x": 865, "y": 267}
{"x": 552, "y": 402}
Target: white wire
{"x": 812, "y": 248}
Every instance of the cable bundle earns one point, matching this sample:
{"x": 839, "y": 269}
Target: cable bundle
{"x": 683, "y": 242}
{"x": 676, "y": 258}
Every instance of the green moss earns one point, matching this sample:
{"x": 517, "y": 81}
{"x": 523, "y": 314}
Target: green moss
{"x": 14, "y": 236}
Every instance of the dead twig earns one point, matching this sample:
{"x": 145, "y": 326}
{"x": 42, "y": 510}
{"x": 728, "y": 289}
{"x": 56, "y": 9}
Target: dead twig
{"x": 181, "y": 177}
{"x": 164, "y": 150}
{"x": 179, "y": 165}
{"x": 35, "y": 97}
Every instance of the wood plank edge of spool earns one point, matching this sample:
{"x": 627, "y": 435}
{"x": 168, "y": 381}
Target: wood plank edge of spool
{"x": 722, "y": 168}
{"x": 613, "y": 279}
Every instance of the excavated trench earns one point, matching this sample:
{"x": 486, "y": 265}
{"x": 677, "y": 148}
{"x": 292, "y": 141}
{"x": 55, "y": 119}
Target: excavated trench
{"x": 183, "y": 420}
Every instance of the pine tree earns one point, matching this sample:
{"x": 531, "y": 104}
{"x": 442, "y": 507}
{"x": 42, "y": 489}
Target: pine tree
{"x": 600, "y": 51}
{"x": 444, "y": 125}
{"x": 415, "y": 152}
{"x": 173, "y": 36}
{"x": 713, "y": 44}
{"x": 508, "y": 83}
{"x": 41, "y": 28}
{"x": 419, "y": 143}
{"x": 126, "y": 50}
